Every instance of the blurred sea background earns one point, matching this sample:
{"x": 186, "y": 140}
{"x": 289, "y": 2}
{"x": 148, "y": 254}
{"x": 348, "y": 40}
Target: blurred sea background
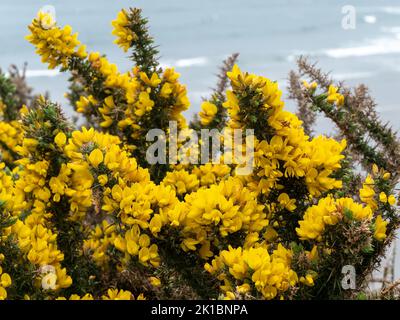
{"x": 195, "y": 36}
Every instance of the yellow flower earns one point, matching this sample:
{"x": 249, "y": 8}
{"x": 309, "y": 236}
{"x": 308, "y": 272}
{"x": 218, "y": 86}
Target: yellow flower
{"x": 87, "y": 296}
{"x": 155, "y": 281}
{"x": 155, "y": 224}
{"x": 236, "y": 76}
{"x": 310, "y": 86}
{"x": 5, "y": 280}
{"x": 189, "y": 244}
{"x": 132, "y": 247}
{"x": 207, "y": 113}
{"x": 270, "y": 274}
{"x": 103, "y": 179}
{"x": 244, "y": 288}
{"x": 3, "y": 293}
{"x": 154, "y": 81}
{"x": 329, "y": 211}
{"x": 313, "y": 254}
{"x": 166, "y": 90}
{"x": 144, "y": 255}
{"x": 121, "y": 30}
{"x": 367, "y": 192}
{"x": 229, "y": 296}
{"x": 210, "y": 211}
{"x": 392, "y": 200}
{"x": 286, "y": 202}
{"x": 334, "y": 96}
{"x": 120, "y": 243}
{"x": 382, "y": 197}
{"x": 380, "y": 228}
{"x": 270, "y": 234}
{"x": 386, "y": 176}
{"x": 54, "y": 45}
{"x": 96, "y": 157}
{"x": 307, "y": 280}
{"x": 81, "y": 52}
{"x": 84, "y": 102}
{"x": 205, "y": 251}
{"x": 144, "y": 104}
{"x": 115, "y": 294}
{"x": 60, "y": 139}
{"x": 182, "y": 181}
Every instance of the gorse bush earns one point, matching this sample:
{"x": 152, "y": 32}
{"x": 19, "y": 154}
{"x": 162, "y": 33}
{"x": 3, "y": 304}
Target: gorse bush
{"x": 83, "y": 215}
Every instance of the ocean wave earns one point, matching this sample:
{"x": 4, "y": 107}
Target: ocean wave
{"x": 180, "y": 63}
{"x": 191, "y": 62}
{"x": 391, "y": 10}
{"x": 379, "y": 46}
{"x": 42, "y": 73}
{"x": 394, "y": 30}
{"x": 351, "y": 76}
{"x": 185, "y": 63}
{"x": 370, "y": 19}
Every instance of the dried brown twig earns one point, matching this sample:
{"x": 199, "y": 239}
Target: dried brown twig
{"x": 22, "y": 90}
{"x": 369, "y": 139}
{"x": 388, "y": 289}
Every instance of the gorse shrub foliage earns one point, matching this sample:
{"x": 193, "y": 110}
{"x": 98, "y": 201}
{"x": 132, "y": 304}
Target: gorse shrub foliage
{"x": 83, "y": 215}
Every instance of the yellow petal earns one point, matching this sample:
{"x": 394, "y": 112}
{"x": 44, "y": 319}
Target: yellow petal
{"x": 96, "y": 157}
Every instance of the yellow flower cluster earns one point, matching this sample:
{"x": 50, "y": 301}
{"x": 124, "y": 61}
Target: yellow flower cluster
{"x": 141, "y": 207}
{"x": 139, "y": 98}
{"x": 86, "y": 104}
{"x": 328, "y": 212}
{"x": 182, "y": 181}
{"x": 112, "y": 294}
{"x": 144, "y": 208}
{"x": 53, "y": 44}
{"x": 271, "y": 274}
{"x": 227, "y": 207}
{"x": 310, "y": 86}
{"x": 137, "y": 92}
{"x": 5, "y": 281}
{"x": 124, "y": 35}
{"x": 34, "y": 234}
{"x": 93, "y": 159}
{"x": 209, "y": 174}
{"x": 7, "y": 189}
{"x": 115, "y": 294}
{"x": 367, "y": 192}
{"x": 10, "y": 138}
{"x": 98, "y": 242}
{"x": 288, "y": 152}
{"x": 334, "y": 96}
{"x": 380, "y": 228}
